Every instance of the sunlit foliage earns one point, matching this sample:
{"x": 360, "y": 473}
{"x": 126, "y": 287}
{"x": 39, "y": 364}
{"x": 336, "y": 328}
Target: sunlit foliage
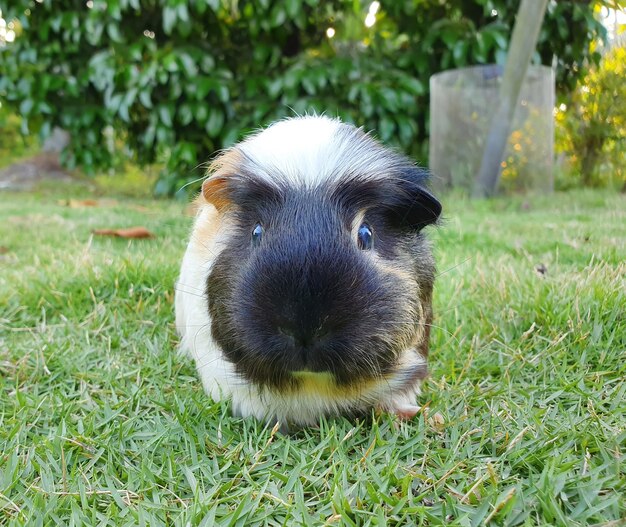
{"x": 591, "y": 129}
{"x": 176, "y": 80}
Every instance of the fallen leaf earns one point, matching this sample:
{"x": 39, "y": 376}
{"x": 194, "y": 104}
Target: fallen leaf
{"x": 131, "y": 232}
{"x": 3, "y": 249}
{"x": 80, "y": 203}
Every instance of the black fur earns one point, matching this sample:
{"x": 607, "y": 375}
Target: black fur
{"x": 307, "y": 298}
{"x": 403, "y": 198}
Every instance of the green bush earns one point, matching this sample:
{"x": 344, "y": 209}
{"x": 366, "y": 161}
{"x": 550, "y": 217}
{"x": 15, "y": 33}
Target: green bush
{"x": 178, "y": 80}
{"x": 13, "y": 145}
{"x": 591, "y": 126}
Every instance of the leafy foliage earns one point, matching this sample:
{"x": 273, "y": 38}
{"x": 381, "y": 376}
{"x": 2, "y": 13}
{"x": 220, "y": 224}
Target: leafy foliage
{"x": 593, "y": 123}
{"x": 180, "y": 79}
{"x": 12, "y": 145}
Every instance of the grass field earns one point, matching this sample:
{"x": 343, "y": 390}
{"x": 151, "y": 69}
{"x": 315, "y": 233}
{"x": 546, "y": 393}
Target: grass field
{"x": 101, "y": 423}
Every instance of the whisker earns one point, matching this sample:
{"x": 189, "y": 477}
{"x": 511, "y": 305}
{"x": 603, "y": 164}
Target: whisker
{"x": 452, "y": 335}
{"x": 190, "y": 286}
{"x": 454, "y": 266}
{"x": 193, "y": 181}
{"x": 180, "y": 290}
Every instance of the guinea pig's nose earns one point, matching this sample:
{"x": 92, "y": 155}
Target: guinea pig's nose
{"x": 296, "y": 337}
{"x": 303, "y": 336}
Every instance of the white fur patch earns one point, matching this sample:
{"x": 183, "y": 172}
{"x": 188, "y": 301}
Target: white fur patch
{"x": 313, "y": 150}
{"x": 295, "y": 148}
{"x": 193, "y": 322}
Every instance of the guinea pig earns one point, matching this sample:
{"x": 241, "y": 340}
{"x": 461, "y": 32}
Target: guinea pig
{"x": 306, "y": 286}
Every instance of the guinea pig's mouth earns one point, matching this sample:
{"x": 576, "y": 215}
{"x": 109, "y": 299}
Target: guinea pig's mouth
{"x": 397, "y": 374}
{"x": 320, "y": 383}
{"x": 317, "y": 377}
{"x": 316, "y": 374}
{"x": 402, "y": 378}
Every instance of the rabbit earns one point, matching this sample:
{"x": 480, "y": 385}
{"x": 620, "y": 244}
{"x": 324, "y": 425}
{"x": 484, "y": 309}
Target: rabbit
{"x": 305, "y": 289}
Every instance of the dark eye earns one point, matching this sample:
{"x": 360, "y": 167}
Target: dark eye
{"x": 257, "y": 234}
{"x": 365, "y": 237}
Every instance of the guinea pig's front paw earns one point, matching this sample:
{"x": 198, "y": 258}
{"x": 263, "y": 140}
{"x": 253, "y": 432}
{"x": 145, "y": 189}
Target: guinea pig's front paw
{"x": 400, "y": 407}
{"x": 406, "y": 411}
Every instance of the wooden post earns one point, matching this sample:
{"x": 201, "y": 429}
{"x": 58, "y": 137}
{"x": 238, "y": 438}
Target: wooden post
{"x": 525, "y": 34}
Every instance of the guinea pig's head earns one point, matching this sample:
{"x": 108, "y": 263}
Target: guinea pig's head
{"x": 324, "y": 268}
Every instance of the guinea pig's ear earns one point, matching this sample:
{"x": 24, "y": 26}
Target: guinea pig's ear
{"x": 215, "y": 191}
{"x": 412, "y": 206}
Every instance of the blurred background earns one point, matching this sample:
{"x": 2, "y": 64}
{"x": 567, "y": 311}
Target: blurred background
{"x": 139, "y": 94}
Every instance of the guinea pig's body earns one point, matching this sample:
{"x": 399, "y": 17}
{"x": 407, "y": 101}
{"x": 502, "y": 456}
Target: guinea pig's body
{"x": 306, "y": 286}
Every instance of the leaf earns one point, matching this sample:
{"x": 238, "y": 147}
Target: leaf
{"x": 203, "y": 86}
{"x": 308, "y": 85}
{"x": 189, "y": 65}
{"x": 215, "y": 122}
{"x": 354, "y": 92}
{"x": 386, "y": 128}
{"x": 131, "y": 232}
{"x": 414, "y": 85}
{"x": 165, "y": 114}
{"x": 278, "y": 15}
{"x": 292, "y": 7}
{"x": 185, "y": 115}
{"x": 230, "y": 137}
{"x": 201, "y": 112}
{"x": 144, "y": 97}
{"x": 26, "y": 106}
{"x": 458, "y": 52}
{"x": 500, "y": 39}
{"x": 170, "y": 62}
{"x": 450, "y": 35}
{"x": 222, "y": 93}
{"x": 480, "y": 49}
{"x": 79, "y": 203}
{"x": 183, "y": 12}
{"x": 113, "y": 31}
{"x": 187, "y": 152}
{"x": 169, "y": 19}
{"x": 406, "y": 129}
{"x": 207, "y": 63}
{"x": 44, "y": 107}
{"x": 390, "y": 98}
{"x": 126, "y": 103}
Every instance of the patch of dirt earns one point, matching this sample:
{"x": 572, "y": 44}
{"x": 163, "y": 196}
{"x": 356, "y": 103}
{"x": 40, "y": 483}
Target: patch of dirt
{"x": 25, "y": 175}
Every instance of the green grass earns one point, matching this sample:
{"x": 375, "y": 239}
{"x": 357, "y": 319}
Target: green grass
{"x": 101, "y": 423}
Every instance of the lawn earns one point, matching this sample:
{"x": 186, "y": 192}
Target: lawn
{"x": 102, "y": 423}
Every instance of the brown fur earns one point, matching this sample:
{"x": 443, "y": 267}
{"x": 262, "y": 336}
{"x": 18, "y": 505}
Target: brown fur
{"x": 213, "y": 188}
